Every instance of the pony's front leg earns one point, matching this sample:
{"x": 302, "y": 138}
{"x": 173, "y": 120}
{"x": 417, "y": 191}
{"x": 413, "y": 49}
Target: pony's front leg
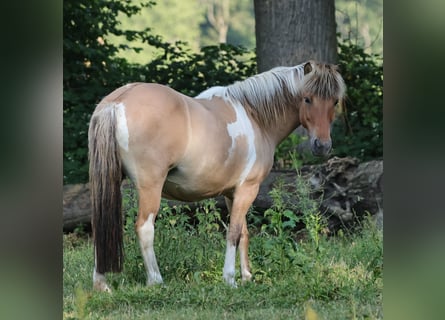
{"x": 148, "y": 209}
{"x": 237, "y": 234}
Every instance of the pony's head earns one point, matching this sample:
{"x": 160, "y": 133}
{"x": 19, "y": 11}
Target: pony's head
{"x": 321, "y": 90}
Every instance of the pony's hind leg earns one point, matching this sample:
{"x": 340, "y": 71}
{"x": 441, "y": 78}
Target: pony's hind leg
{"x": 243, "y": 253}
{"x": 99, "y": 282}
{"x": 149, "y": 201}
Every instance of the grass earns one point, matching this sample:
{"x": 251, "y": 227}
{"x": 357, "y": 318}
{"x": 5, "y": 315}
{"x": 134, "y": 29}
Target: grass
{"x": 310, "y": 278}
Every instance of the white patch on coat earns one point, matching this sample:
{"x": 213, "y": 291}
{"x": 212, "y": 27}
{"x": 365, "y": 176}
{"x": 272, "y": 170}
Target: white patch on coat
{"x": 208, "y": 94}
{"x": 229, "y": 264}
{"x": 242, "y": 126}
{"x": 122, "y": 134}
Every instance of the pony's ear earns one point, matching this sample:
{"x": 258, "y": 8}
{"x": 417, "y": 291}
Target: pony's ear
{"x": 307, "y": 68}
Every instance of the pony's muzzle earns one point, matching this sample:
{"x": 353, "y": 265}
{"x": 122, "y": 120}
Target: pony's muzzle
{"x": 321, "y": 148}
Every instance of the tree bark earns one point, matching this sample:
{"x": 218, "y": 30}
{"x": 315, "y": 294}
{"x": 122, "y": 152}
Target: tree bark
{"x": 289, "y": 32}
{"x": 76, "y": 206}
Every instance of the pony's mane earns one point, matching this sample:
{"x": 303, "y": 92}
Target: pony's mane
{"x": 269, "y": 95}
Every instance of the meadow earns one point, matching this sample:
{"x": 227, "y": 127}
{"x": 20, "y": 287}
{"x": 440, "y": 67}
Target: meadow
{"x": 298, "y": 273}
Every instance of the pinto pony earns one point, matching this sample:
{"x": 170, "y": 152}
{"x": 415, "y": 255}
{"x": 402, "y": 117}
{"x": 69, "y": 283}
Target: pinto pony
{"x": 220, "y": 142}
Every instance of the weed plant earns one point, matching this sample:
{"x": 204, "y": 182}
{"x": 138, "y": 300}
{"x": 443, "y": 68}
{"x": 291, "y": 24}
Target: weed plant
{"x": 295, "y": 274}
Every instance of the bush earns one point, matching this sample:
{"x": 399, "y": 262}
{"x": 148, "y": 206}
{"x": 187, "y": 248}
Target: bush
{"x": 91, "y": 69}
{"x": 359, "y": 130}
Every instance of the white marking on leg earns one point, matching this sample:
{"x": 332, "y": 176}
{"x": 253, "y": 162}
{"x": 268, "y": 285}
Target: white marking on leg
{"x": 242, "y": 126}
{"x": 146, "y": 239}
{"x": 122, "y": 134}
{"x": 229, "y": 264}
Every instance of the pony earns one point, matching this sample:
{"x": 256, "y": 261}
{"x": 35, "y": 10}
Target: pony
{"x": 220, "y": 142}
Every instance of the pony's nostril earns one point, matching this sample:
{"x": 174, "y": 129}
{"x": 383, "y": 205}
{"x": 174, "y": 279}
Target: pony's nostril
{"x": 329, "y": 145}
{"x": 321, "y": 147}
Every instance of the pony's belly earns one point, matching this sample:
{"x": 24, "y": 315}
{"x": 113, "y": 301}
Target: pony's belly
{"x": 183, "y": 192}
{"x": 187, "y": 186}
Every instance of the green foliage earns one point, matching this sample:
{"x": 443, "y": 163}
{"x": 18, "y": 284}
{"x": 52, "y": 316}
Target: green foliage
{"x": 314, "y": 222}
{"x": 91, "y": 69}
{"x": 280, "y": 217}
{"x": 284, "y": 216}
{"x": 359, "y": 130}
{"x": 209, "y": 218}
{"x": 191, "y": 73}
{"x": 286, "y": 155}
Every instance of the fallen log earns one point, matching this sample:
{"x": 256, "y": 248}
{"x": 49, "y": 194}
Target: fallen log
{"x": 348, "y": 190}
{"x": 76, "y": 206}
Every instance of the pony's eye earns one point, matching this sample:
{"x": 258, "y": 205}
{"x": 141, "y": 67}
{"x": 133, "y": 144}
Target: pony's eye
{"x": 335, "y": 102}
{"x": 307, "y": 100}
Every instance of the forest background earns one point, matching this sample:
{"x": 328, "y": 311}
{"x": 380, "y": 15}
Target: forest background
{"x": 188, "y": 20}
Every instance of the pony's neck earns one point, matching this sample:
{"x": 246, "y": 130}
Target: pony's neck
{"x": 276, "y": 134}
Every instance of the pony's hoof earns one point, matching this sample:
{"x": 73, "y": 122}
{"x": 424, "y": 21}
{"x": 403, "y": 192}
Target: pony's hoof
{"x": 230, "y": 281}
{"x": 157, "y": 279}
{"x": 101, "y": 287}
{"x": 246, "y": 277}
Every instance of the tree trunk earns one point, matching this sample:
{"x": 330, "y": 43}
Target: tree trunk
{"x": 218, "y": 15}
{"x": 289, "y": 32}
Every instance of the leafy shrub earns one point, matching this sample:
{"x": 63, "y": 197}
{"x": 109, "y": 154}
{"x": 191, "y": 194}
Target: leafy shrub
{"x": 286, "y": 154}
{"x": 91, "y": 69}
{"x": 281, "y": 219}
{"x": 285, "y": 217}
{"x": 191, "y": 73}
{"x": 359, "y": 130}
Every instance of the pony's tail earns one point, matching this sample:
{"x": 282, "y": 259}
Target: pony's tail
{"x": 106, "y": 201}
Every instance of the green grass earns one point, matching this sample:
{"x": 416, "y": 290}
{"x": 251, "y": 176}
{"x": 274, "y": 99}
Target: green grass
{"x": 343, "y": 280}
{"x": 337, "y": 277}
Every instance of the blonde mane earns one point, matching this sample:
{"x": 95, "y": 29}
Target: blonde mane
{"x": 268, "y": 96}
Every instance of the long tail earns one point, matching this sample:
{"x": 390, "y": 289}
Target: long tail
{"x": 106, "y": 200}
